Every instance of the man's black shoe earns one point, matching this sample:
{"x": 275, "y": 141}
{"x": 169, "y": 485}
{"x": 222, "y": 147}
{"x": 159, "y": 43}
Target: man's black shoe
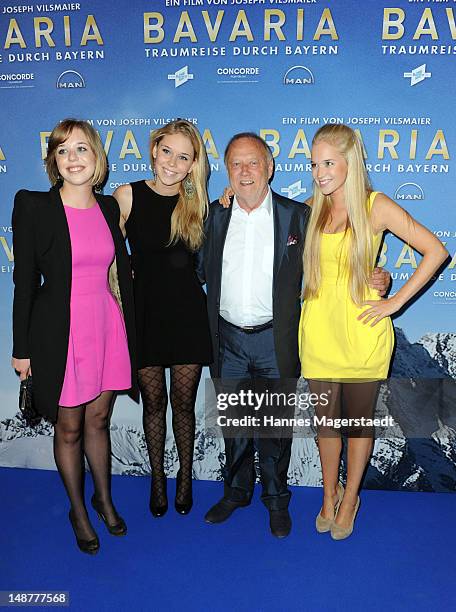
{"x": 280, "y": 523}
{"x": 223, "y": 510}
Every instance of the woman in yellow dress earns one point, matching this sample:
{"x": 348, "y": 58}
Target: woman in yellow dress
{"x": 346, "y": 337}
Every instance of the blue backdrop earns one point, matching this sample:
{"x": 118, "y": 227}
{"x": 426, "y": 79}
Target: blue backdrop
{"x": 279, "y": 68}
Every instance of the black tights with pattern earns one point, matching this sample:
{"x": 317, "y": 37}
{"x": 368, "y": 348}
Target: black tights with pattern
{"x": 184, "y": 380}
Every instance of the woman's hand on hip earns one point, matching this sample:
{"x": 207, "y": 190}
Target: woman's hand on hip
{"x": 378, "y": 310}
{"x": 22, "y": 367}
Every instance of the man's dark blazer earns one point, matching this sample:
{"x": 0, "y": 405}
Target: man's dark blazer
{"x": 290, "y": 221}
{"x": 41, "y": 312}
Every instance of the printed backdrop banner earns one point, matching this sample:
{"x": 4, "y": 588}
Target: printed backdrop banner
{"x": 282, "y": 69}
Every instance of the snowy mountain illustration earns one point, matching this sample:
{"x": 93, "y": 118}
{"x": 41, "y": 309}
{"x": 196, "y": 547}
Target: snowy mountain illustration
{"x": 418, "y": 454}
{"x": 415, "y": 361}
{"x": 442, "y": 348}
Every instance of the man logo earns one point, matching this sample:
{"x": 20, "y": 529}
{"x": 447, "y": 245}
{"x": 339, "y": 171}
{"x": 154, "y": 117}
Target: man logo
{"x": 180, "y": 76}
{"x": 294, "y": 190}
{"x": 409, "y": 191}
{"x": 70, "y": 79}
{"x": 417, "y": 75}
{"x": 298, "y": 75}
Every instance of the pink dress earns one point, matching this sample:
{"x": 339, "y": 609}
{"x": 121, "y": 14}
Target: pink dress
{"x": 98, "y": 358}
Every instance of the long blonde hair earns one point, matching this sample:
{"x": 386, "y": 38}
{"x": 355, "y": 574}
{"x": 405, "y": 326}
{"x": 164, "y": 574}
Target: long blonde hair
{"x": 358, "y": 233}
{"x": 189, "y": 214}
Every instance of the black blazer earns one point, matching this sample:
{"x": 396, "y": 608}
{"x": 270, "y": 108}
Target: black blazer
{"x": 41, "y": 312}
{"x": 290, "y": 222}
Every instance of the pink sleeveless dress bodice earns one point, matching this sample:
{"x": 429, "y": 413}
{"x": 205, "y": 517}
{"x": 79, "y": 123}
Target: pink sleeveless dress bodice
{"x": 98, "y": 358}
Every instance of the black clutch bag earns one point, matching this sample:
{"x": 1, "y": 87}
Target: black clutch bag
{"x": 26, "y": 404}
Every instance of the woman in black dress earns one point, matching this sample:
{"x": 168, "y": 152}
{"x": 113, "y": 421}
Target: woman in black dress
{"x": 163, "y": 221}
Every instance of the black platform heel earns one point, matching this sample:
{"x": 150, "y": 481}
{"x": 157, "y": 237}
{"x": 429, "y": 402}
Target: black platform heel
{"x": 118, "y": 529}
{"x": 90, "y": 547}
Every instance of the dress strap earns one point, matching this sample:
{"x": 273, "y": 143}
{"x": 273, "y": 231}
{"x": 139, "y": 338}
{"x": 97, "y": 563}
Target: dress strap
{"x": 136, "y": 188}
{"x": 371, "y": 199}
{"x": 137, "y": 191}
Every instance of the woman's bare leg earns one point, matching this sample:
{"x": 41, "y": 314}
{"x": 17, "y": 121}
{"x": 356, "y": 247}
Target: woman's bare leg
{"x": 358, "y": 401}
{"x": 329, "y": 443}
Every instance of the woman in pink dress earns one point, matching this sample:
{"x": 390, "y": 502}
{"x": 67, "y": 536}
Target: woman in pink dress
{"x": 67, "y": 325}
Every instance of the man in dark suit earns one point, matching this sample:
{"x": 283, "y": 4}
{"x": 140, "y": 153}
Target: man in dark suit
{"x": 252, "y": 264}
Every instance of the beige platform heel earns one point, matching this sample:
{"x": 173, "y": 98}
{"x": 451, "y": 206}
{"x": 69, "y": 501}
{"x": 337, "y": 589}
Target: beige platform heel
{"x": 340, "y": 533}
{"x": 322, "y": 524}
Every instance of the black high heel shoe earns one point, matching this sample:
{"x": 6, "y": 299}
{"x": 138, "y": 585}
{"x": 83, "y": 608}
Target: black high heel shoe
{"x": 118, "y": 529}
{"x": 158, "y": 510}
{"x": 90, "y": 547}
{"x": 186, "y": 505}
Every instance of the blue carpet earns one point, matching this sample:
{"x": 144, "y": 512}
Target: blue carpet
{"x": 400, "y": 557}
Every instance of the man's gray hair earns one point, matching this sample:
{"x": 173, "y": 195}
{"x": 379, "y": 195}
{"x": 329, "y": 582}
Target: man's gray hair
{"x": 252, "y": 136}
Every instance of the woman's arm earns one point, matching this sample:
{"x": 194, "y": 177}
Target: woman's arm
{"x": 25, "y": 278}
{"x": 124, "y": 197}
{"x": 387, "y": 215}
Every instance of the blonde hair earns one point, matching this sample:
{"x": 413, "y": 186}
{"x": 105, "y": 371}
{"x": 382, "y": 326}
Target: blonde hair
{"x": 60, "y": 133}
{"x": 358, "y": 257}
{"x": 189, "y": 214}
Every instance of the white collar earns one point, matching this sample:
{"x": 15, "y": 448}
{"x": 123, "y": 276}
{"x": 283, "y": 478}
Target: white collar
{"x": 266, "y": 204}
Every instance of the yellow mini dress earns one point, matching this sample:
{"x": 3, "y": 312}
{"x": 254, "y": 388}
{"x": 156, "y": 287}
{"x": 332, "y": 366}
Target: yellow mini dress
{"x": 333, "y": 344}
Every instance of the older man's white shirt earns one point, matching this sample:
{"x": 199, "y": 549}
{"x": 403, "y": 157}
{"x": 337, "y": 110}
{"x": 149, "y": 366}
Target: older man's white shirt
{"x": 248, "y": 260}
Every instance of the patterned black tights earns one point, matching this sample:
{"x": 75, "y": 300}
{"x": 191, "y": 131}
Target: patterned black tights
{"x": 184, "y": 384}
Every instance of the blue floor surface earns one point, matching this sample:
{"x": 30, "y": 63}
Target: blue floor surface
{"x": 401, "y": 555}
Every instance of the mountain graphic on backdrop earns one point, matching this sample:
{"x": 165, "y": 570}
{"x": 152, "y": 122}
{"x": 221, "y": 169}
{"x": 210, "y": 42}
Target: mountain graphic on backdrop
{"x": 400, "y": 462}
{"x": 416, "y": 361}
{"x": 442, "y": 348}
